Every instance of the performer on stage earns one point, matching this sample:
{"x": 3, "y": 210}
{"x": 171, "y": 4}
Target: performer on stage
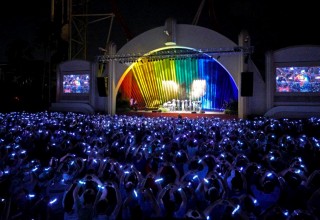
{"x": 174, "y": 104}
{"x": 186, "y": 105}
{"x": 131, "y": 102}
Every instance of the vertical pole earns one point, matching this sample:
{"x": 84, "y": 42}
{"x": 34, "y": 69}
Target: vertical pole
{"x": 112, "y": 94}
{"x": 243, "y": 104}
{"x": 70, "y": 27}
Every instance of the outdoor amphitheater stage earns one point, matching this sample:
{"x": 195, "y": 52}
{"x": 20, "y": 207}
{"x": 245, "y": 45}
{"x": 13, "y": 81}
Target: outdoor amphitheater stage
{"x": 182, "y": 114}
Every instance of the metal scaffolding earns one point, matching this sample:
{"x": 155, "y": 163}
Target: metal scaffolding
{"x": 75, "y": 19}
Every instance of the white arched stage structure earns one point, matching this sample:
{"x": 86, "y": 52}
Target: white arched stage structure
{"x": 192, "y": 37}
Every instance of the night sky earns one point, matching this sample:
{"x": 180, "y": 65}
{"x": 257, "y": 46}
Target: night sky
{"x": 271, "y": 25}
{"x": 26, "y": 28}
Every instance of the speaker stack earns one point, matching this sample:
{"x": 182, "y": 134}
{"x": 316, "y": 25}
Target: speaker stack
{"x": 246, "y": 84}
{"x": 102, "y": 85}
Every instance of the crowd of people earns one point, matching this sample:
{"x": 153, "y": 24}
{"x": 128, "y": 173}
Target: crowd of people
{"x": 77, "y": 166}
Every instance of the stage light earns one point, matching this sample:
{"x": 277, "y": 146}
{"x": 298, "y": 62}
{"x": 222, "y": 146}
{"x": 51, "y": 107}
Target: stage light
{"x": 198, "y": 88}
{"x": 176, "y": 53}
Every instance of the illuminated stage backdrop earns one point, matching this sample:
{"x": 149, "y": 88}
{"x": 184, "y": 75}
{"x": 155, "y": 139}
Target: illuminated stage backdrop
{"x": 155, "y": 82}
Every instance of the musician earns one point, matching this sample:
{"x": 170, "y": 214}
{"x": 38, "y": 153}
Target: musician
{"x": 174, "y": 104}
{"x": 178, "y": 105}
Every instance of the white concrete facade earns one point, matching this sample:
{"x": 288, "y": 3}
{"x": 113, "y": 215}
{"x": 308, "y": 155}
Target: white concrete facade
{"x": 299, "y": 105}
{"x": 193, "y": 37}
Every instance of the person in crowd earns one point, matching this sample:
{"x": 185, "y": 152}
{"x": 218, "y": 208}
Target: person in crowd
{"x": 109, "y": 204}
{"x": 78, "y": 166}
{"x": 85, "y": 195}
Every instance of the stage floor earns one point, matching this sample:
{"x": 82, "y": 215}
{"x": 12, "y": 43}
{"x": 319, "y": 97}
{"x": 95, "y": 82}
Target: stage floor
{"x": 183, "y": 114}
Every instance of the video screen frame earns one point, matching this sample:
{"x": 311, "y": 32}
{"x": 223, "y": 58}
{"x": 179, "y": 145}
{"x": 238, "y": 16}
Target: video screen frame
{"x": 297, "y": 79}
{"x": 76, "y": 83}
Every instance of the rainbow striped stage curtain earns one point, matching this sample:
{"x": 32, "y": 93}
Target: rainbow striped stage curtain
{"x": 156, "y": 82}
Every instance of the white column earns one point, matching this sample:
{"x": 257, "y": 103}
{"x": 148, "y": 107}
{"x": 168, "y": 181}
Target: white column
{"x": 243, "y": 102}
{"x": 111, "y": 98}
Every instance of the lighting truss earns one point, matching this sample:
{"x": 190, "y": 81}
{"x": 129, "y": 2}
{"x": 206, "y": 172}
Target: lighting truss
{"x": 175, "y": 54}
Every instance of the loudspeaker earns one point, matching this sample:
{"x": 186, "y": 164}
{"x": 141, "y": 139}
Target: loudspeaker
{"x": 246, "y": 84}
{"x": 102, "y": 85}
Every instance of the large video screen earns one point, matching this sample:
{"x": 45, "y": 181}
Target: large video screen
{"x": 298, "y": 79}
{"x": 76, "y": 83}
